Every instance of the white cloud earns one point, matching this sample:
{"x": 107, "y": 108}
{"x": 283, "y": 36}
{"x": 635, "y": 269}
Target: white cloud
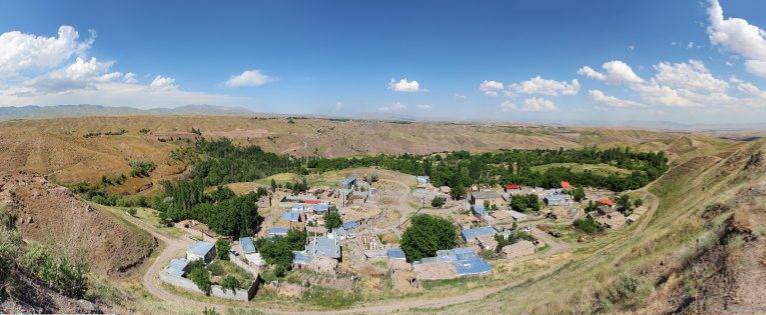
{"x": 163, "y": 83}
{"x": 130, "y": 77}
{"x": 248, "y": 78}
{"x": 338, "y": 106}
{"x": 738, "y": 36}
{"x": 600, "y": 97}
{"x": 394, "y": 107}
{"x": 81, "y": 74}
{"x": 424, "y": 106}
{"x": 405, "y": 86}
{"x": 538, "y": 85}
{"x": 508, "y": 106}
{"x": 536, "y": 104}
{"x": 460, "y": 96}
{"x": 20, "y": 51}
{"x": 692, "y": 76}
{"x": 490, "y": 88}
{"x": 616, "y": 72}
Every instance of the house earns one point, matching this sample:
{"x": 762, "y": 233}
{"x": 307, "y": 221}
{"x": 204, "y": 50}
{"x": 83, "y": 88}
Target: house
{"x": 491, "y": 197}
{"x": 201, "y": 251}
{"x": 321, "y": 208}
{"x": 606, "y": 202}
{"x": 470, "y": 235}
{"x": 556, "y": 199}
{"x": 303, "y": 198}
{"x": 479, "y": 211}
{"x": 321, "y": 255}
{"x": 277, "y": 231}
{"x": 395, "y": 253}
{"x": 177, "y": 267}
{"x": 518, "y": 249}
{"x": 348, "y": 182}
{"x": 566, "y": 185}
{"x": 500, "y": 215}
{"x": 511, "y": 186}
{"x": 292, "y": 216}
{"x": 326, "y": 246}
{"x": 298, "y": 208}
{"x": 633, "y": 217}
{"x": 422, "y": 180}
{"x": 248, "y": 249}
{"x": 350, "y": 225}
{"x": 518, "y": 216}
{"x": 450, "y": 264}
{"x": 468, "y": 263}
{"x": 487, "y": 242}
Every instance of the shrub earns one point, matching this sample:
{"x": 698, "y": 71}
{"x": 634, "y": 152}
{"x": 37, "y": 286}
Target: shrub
{"x": 201, "y": 278}
{"x": 222, "y": 247}
{"x": 332, "y": 219}
{"x": 588, "y": 225}
{"x": 229, "y": 282}
{"x": 141, "y": 168}
{"x": 438, "y": 202}
{"x": 525, "y": 203}
{"x": 59, "y": 272}
{"x": 132, "y": 212}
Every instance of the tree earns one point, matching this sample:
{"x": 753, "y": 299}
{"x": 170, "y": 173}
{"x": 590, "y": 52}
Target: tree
{"x": 426, "y": 235}
{"x": 578, "y": 194}
{"x": 457, "y": 192}
{"x": 638, "y": 202}
{"x": 201, "y": 278}
{"x": 588, "y": 225}
{"x": 332, "y": 219}
{"x": 229, "y": 282}
{"x": 221, "y": 193}
{"x": 273, "y": 185}
{"x": 623, "y": 203}
{"x": 525, "y": 203}
{"x": 438, "y": 202}
{"x": 278, "y": 251}
{"x": 222, "y": 247}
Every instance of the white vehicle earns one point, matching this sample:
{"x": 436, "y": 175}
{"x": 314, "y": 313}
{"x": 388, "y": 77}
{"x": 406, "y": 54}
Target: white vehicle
{"x": 528, "y": 229}
{"x": 350, "y": 236}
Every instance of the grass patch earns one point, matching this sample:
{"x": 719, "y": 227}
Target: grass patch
{"x": 224, "y": 268}
{"x": 329, "y": 298}
{"x": 599, "y": 169}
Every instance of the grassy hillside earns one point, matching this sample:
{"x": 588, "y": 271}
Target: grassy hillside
{"x": 656, "y": 266}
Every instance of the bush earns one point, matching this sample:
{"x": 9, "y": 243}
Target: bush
{"x": 578, "y": 194}
{"x": 222, "y": 247}
{"x": 132, "y": 212}
{"x": 229, "y": 282}
{"x": 141, "y": 168}
{"x": 525, "y": 203}
{"x": 278, "y": 251}
{"x": 201, "y": 278}
{"x": 426, "y": 235}
{"x": 588, "y": 225}
{"x": 59, "y": 272}
{"x": 438, "y": 202}
{"x": 332, "y": 219}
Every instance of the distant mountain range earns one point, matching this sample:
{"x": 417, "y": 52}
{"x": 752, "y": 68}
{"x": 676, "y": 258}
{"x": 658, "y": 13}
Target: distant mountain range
{"x": 65, "y": 111}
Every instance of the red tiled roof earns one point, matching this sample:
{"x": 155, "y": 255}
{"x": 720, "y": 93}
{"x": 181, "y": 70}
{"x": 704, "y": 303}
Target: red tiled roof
{"x": 312, "y": 201}
{"x": 512, "y": 186}
{"x": 565, "y": 185}
{"x": 606, "y": 202}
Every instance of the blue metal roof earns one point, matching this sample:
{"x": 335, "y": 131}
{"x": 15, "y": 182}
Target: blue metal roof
{"x": 324, "y": 246}
{"x": 298, "y": 208}
{"x": 177, "y": 267}
{"x": 350, "y": 225}
{"x": 395, "y": 253}
{"x": 291, "y": 216}
{"x": 278, "y": 231}
{"x": 468, "y": 263}
{"x": 200, "y": 248}
{"x": 247, "y": 244}
{"x": 478, "y": 209}
{"x": 348, "y": 180}
{"x": 322, "y": 207}
{"x": 300, "y": 257}
{"x": 470, "y": 234}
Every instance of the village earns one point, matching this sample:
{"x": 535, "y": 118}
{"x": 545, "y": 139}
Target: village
{"x": 373, "y": 210}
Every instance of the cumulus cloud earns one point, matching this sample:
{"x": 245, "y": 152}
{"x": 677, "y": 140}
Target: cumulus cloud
{"x": 508, "y": 106}
{"x": 20, "y": 51}
{"x": 738, "y": 36}
{"x": 394, "y": 107}
{"x": 44, "y": 70}
{"x": 404, "y": 86}
{"x": 537, "y": 104}
{"x": 491, "y": 88}
{"x": 538, "y": 85}
{"x": 692, "y": 75}
{"x": 600, "y": 97}
{"x": 460, "y": 96}
{"x": 248, "y": 78}
{"x": 163, "y": 83}
{"x": 615, "y": 72}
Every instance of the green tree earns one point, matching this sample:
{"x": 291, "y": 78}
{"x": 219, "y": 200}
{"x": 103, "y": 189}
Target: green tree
{"x": 623, "y": 203}
{"x": 222, "y": 247}
{"x": 578, "y": 194}
{"x": 278, "y": 251}
{"x": 426, "y": 235}
{"x": 638, "y": 202}
{"x": 201, "y": 278}
{"x": 438, "y": 202}
{"x": 230, "y": 283}
{"x": 457, "y": 192}
{"x": 588, "y": 225}
{"x": 525, "y": 203}
{"x": 273, "y": 185}
{"x": 332, "y": 219}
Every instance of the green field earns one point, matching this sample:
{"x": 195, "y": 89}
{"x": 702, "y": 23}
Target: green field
{"x": 600, "y": 169}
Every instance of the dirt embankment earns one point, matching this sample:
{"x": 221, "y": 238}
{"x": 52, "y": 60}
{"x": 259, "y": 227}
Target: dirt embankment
{"x": 52, "y": 215}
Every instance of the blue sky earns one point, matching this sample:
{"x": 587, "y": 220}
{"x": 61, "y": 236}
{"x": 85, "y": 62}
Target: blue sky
{"x": 684, "y": 63}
